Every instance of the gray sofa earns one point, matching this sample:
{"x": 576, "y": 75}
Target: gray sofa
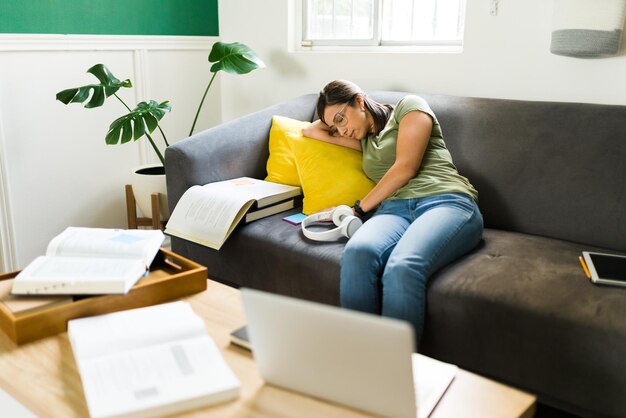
{"x": 551, "y": 178}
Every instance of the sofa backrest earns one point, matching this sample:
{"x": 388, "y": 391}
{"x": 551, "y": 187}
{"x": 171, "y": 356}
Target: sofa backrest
{"x": 544, "y": 168}
{"x": 551, "y": 169}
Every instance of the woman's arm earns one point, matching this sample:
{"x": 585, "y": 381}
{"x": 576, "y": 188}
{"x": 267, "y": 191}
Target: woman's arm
{"x": 320, "y": 131}
{"x": 413, "y": 136}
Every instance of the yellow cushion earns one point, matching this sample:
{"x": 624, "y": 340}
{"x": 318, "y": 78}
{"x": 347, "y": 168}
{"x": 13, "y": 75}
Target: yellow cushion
{"x": 330, "y": 175}
{"x": 281, "y": 165}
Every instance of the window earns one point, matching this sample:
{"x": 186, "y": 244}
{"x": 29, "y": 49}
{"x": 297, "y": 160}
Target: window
{"x": 383, "y": 23}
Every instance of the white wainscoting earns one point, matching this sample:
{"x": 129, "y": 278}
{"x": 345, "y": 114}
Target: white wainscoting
{"x": 55, "y": 168}
{"x": 12, "y": 408}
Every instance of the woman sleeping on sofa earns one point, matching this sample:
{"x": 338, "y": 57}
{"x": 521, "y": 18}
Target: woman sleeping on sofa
{"x": 425, "y": 214}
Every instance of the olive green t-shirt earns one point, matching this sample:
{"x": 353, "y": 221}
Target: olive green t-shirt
{"x": 437, "y": 173}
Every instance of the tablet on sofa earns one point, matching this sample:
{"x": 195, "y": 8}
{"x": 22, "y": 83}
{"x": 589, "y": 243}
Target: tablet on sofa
{"x": 606, "y": 268}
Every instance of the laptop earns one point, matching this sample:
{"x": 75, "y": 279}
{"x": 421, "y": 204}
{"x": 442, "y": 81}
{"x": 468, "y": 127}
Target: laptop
{"x": 363, "y": 361}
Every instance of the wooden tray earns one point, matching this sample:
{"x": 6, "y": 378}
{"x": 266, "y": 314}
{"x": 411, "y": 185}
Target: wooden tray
{"x": 171, "y": 276}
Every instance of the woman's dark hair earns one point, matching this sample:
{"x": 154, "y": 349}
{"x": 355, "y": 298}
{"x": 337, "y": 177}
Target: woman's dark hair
{"x": 343, "y": 91}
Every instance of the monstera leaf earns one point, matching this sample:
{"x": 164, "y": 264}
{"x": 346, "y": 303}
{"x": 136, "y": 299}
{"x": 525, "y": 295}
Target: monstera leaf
{"x": 142, "y": 120}
{"x": 234, "y": 58}
{"x": 108, "y": 86}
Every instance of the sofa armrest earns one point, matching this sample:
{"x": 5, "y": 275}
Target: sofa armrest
{"x": 234, "y": 149}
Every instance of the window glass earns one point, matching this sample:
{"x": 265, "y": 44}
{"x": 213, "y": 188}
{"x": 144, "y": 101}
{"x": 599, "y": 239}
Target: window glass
{"x": 383, "y": 22}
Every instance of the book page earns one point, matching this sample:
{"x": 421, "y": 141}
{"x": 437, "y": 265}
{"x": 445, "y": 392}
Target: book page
{"x": 264, "y": 192}
{"x": 432, "y": 378}
{"x": 75, "y": 275}
{"x": 157, "y": 359}
{"x": 132, "y": 329}
{"x": 154, "y": 377}
{"x": 95, "y": 242}
{"x": 207, "y": 217}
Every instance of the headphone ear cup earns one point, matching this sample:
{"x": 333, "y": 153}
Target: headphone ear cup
{"x": 349, "y": 225}
{"x": 341, "y": 212}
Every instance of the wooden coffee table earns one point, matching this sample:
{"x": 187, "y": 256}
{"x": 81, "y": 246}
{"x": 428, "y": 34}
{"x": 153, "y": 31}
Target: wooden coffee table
{"x": 42, "y": 376}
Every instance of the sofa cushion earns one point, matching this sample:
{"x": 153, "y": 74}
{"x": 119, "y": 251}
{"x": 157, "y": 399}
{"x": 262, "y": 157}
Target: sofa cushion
{"x": 520, "y": 309}
{"x": 273, "y": 255}
{"x": 330, "y": 175}
{"x": 537, "y": 278}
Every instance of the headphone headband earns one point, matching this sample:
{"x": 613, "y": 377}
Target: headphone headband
{"x": 342, "y": 216}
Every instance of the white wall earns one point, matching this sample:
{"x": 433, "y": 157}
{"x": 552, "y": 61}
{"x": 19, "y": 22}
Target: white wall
{"x": 56, "y": 169}
{"x": 505, "y": 56}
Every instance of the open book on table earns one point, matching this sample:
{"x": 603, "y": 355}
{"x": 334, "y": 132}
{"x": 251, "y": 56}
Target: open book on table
{"x": 151, "y": 361}
{"x": 208, "y": 214}
{"x": 90, "y": 261}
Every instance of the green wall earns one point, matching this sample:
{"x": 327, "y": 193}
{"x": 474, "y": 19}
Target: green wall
{"x": 110, "y": 17}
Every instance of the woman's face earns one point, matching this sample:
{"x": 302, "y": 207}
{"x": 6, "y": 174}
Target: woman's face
{"x": 351, "y": 120}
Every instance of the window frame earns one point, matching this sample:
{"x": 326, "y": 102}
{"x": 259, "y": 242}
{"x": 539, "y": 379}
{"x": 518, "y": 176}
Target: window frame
{"x": 376, "y": 44}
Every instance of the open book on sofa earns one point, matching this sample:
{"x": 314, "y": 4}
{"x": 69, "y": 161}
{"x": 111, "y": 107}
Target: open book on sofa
{"x": 208, "y": 214}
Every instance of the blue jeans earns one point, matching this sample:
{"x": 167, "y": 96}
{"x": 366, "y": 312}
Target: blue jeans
{"x": 386, "y": 264}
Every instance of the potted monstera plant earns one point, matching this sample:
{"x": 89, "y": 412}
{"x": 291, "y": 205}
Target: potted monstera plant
{"x": 142, "y": 120}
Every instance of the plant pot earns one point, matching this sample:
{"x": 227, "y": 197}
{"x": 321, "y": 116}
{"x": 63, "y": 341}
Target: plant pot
{"x": 146, "y": 180}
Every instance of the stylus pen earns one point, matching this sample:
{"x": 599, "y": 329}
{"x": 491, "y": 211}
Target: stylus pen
{"x": 582, "y": 263}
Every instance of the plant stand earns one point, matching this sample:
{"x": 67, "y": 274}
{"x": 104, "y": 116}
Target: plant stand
{"x": 131, "y": 211}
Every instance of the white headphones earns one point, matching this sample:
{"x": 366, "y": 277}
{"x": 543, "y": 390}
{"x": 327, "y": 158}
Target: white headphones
{"x": 342, "y": 217}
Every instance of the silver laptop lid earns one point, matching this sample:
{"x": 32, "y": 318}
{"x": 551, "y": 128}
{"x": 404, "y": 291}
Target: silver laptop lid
{"x": 348, "y": 357}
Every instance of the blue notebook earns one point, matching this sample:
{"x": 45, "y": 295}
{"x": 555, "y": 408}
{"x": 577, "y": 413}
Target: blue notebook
{"x": 295, "y": 219}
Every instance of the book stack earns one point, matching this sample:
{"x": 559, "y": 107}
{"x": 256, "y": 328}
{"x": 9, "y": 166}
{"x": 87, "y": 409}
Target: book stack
{"x": 258, "y": 212}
